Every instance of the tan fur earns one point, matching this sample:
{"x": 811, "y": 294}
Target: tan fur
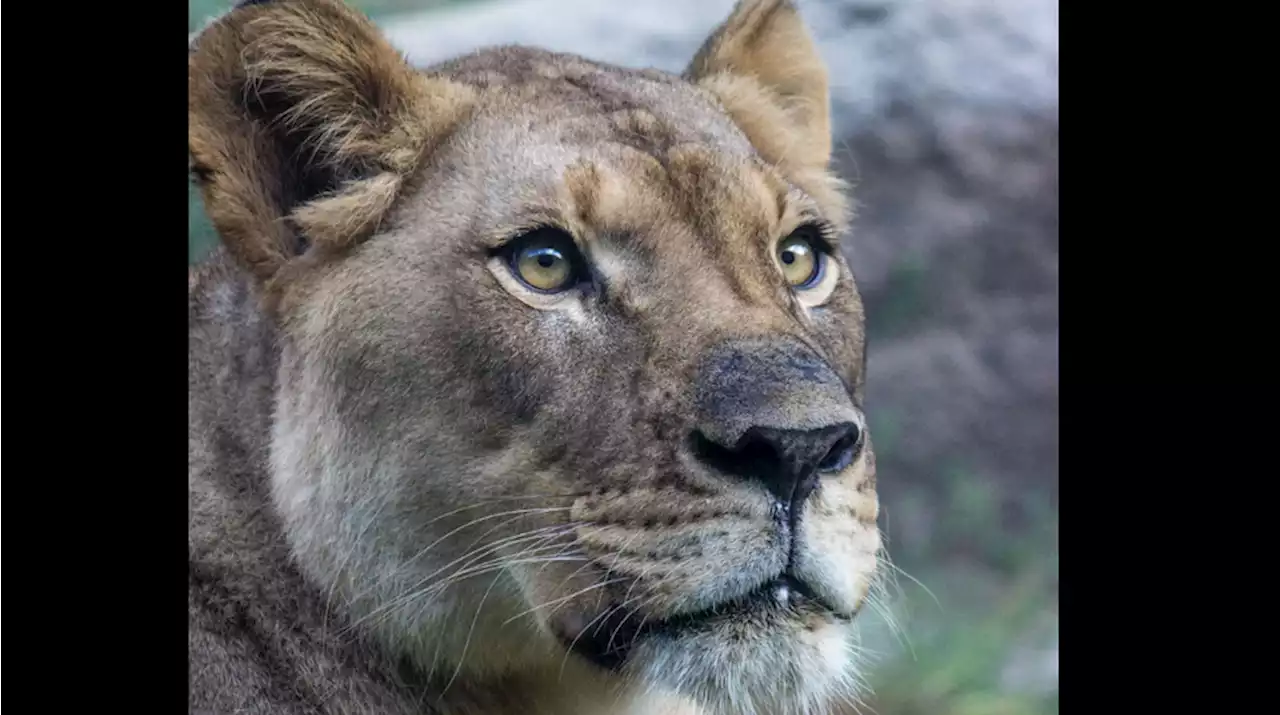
{"x": 437, "y": 480}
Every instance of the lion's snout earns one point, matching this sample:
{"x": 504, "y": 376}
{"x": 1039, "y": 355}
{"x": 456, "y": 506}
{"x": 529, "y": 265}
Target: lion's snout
{"x": 769, "y": 384}
{"x": 775, "y": 412}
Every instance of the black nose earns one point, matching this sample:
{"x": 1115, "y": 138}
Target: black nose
{"x": 788, "y": 462}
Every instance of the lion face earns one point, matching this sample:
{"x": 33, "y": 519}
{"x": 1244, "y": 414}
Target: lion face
{"x": 579, "y": 379}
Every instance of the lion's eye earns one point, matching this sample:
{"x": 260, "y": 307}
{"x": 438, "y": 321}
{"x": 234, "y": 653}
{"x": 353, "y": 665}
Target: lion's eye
{"x": 545, "y": 260}
{"x": 801, "y": 261}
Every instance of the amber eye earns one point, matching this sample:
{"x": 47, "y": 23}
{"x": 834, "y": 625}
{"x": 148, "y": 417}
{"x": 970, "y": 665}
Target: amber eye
{"x": 801, "y": 261}
{"x": 545, "y": 260}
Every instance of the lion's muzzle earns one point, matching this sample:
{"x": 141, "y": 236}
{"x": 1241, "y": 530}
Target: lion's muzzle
{"x": 776, "y": 413}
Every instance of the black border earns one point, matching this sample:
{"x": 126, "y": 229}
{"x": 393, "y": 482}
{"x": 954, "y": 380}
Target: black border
{"x": 99, "y": 340}
{"x": 1144, "y": 417}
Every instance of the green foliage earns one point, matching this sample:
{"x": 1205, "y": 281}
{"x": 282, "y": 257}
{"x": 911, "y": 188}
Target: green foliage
{"x": 200, "y": 234}
{"x": 907, "y": 291}
{"x": 957, "y": 656}
{"x": 200, "y": 10}
{"x": 980, "y": 588}
{"x": 886, "y": 426}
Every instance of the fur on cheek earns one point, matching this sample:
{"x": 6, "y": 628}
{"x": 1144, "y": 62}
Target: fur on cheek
{"x": 339, "y": 497}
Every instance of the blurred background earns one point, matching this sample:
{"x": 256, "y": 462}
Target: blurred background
{"x": 946, "y": 121}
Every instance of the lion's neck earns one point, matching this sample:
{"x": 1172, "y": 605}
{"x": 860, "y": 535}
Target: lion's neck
{"x": 577, "y": 690}
{"x": 231, "y": 365}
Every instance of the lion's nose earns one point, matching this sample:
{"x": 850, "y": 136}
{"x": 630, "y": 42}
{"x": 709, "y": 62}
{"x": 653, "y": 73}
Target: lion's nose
{"x": 787, "y": 462}
{"x": 773, "y": 410}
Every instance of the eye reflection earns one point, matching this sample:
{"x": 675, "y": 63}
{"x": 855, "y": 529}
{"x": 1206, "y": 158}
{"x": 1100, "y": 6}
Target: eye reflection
{"x": 545, "y": 260}
{"x": 801, "y": 262}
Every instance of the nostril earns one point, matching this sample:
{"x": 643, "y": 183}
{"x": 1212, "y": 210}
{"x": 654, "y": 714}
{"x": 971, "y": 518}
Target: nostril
{"x": 751, "y": 455}
{"x": 787, "y": 461}
{"x": 838, "y": 459}
{"x": 842, "y": 453}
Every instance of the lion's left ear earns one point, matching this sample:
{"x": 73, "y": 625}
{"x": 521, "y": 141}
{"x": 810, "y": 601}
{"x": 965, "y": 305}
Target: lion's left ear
{"x": 763, "y": 66}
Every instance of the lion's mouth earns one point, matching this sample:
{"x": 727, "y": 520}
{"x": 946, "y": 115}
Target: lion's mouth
{"x": 780, "y": 594}
{"x": 609, "y": 643}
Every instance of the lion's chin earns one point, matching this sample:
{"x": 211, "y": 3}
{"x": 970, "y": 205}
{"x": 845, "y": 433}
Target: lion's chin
{"x": 793, "y": 664}
{"x": 776, "y": 649}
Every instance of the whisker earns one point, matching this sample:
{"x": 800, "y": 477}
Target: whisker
{"x": 617, "y": 555}
{"x": 565, "y": 661}
{"x": 472, "y": 553}
{"x": 916, "y": 581}
{"x": 640, "y": 627}
{"x": 537, "y": 535}
{"x": 428, "y": 594}
{"x": 626, "y": 598}
{"x": 355, "y": 546}
{"x": 562, "y": 599}
{"x": 470, "y": 631}
{"x": 473, "y": 522}
{"x": 417, "y": 590}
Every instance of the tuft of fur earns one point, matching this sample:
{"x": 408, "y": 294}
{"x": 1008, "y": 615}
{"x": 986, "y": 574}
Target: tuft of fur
{"x": 417, "y": 485}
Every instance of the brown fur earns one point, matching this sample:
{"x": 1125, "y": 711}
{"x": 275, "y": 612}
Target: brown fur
{"x": 378, "y": 407}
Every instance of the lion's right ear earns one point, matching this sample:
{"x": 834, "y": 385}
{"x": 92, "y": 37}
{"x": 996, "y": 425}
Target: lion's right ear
{"x": 304, "y": 123}
{"x": 763, "y": 66}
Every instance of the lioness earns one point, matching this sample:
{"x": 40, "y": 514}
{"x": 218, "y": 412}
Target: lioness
{"x": 524, "y": 383}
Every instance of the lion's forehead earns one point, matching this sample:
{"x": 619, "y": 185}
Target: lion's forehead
{"x": 542, "y": 89}
{"x": 528, "y": 125}
{"x": 625, "y": 171}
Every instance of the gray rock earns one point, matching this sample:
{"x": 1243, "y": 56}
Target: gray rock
{"x": 994, "y": 52}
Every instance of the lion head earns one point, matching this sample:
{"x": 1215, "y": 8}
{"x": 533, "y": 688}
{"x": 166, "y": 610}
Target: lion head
{"x": 571, "y": 363}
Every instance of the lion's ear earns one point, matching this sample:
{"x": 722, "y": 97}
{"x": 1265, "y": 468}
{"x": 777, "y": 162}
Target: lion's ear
{"x": 304, "y": 123}
{"x": 763, "y": 66}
